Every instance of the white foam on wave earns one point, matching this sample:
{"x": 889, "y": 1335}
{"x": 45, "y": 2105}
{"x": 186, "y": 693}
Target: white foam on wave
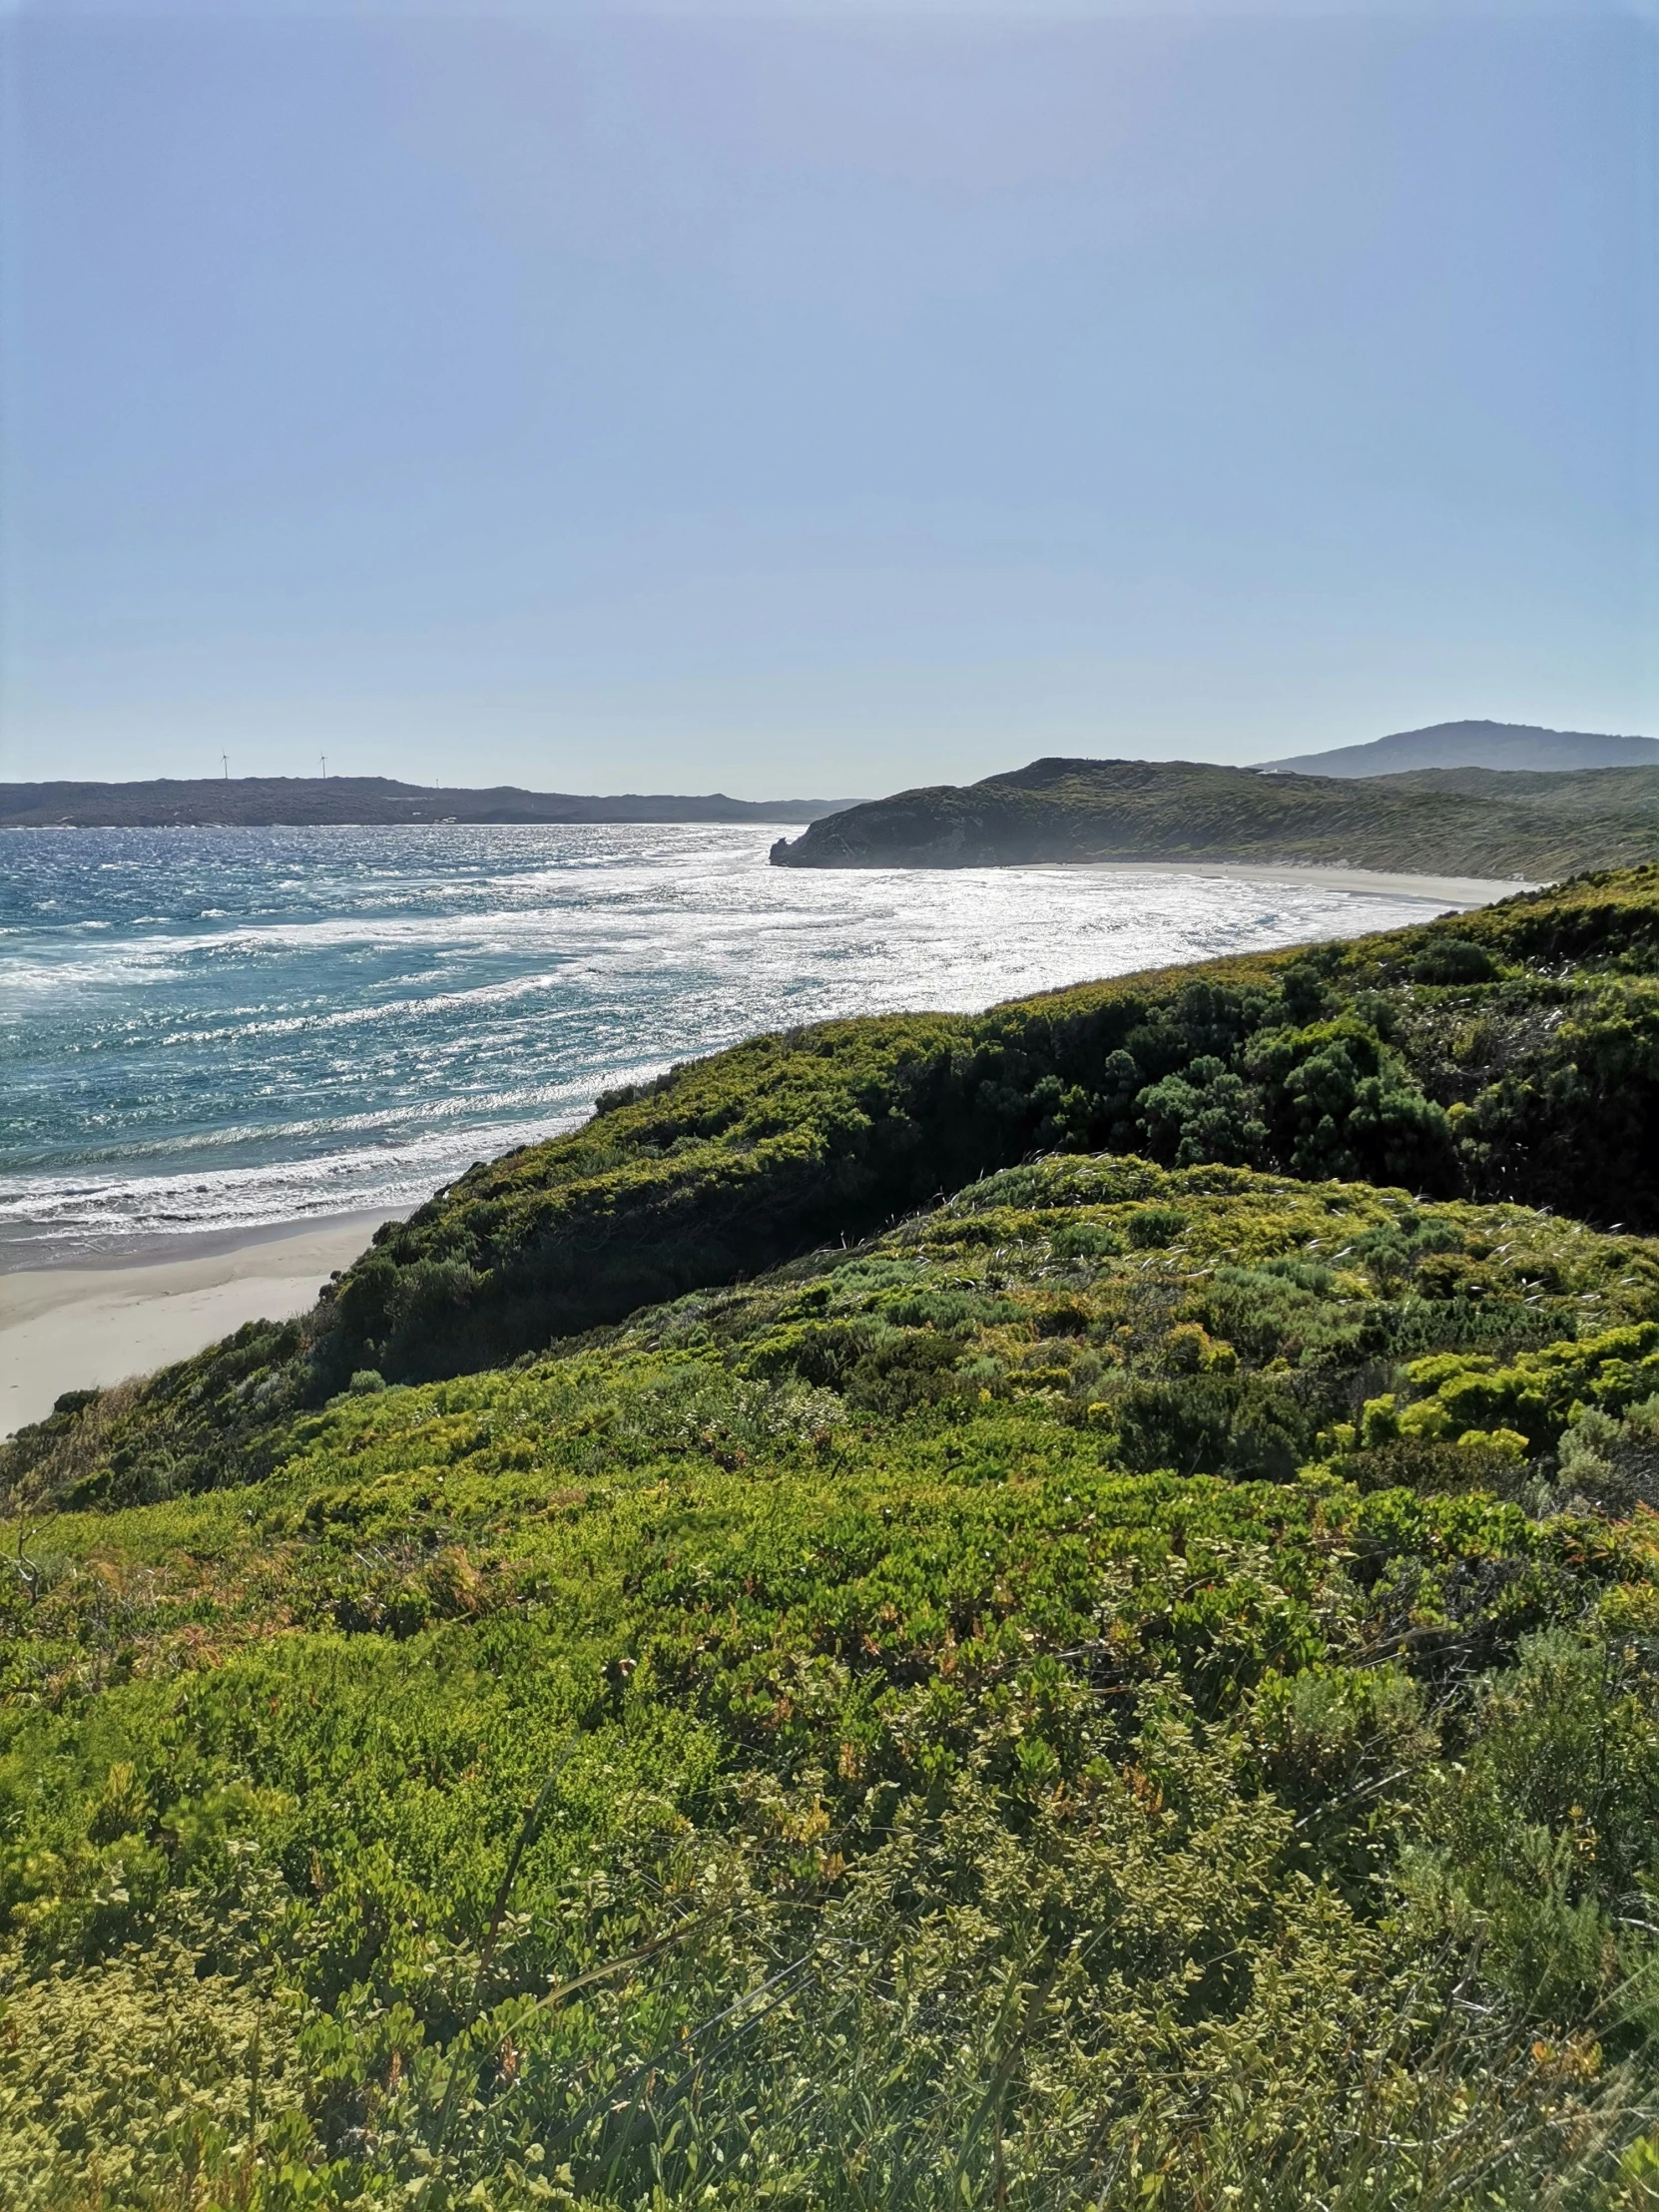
{"x": 84, "y": 1211}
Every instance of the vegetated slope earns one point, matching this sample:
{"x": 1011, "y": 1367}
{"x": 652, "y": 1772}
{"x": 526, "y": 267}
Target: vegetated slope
{"x": 1138, "y": 1686}
{"x": 1606, "y": 794}
{"x": 1180, "y": 811}
{"x": 1508, "y": 1053}
{"x": 269, "y": 802}
{"x": 1493, "y": 744}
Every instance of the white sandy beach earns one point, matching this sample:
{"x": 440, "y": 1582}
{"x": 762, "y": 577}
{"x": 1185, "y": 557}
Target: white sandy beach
{"x": 72, "y": 1326}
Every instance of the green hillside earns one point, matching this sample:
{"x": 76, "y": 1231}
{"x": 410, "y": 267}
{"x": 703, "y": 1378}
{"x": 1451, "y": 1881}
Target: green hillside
{"x": 1119, "y": 1665}
{"x": 1449, "y": 821}
{"x": 1602, "y": 795}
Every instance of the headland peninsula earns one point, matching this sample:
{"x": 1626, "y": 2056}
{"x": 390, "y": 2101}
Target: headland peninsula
{"x": 1457, "y": 821}
{"x": 336, "y": 801}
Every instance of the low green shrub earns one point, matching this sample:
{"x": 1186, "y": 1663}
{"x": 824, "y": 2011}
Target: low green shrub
{"x": 965, "y": 1720}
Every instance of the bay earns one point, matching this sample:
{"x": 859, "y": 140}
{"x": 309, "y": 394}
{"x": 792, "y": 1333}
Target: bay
{"x": 219, "y": 1029}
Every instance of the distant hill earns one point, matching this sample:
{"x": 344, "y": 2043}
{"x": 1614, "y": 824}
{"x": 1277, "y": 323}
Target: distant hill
{"x": 1463, "y": 822}
{"x": 1499, "y": 745}
{"x": 280, "y": 802}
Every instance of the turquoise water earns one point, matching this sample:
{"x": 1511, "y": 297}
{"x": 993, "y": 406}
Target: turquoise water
{"x": 220, "y": 1028}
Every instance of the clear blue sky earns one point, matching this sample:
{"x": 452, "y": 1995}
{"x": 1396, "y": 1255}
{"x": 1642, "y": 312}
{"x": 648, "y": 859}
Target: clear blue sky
{"x": 818, "y": 400}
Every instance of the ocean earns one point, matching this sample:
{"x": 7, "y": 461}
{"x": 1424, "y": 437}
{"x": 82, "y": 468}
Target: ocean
{"x": 224, "y": 1028}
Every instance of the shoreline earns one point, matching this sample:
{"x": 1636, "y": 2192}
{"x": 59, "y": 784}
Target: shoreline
{"x": 85, "y": 1321}
{"x": 41, "y": 1255}
{"x": 1444, "y": 890}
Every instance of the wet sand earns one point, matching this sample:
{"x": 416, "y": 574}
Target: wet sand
{"x": 85, "y": 1323}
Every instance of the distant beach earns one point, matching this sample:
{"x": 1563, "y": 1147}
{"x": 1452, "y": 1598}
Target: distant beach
{"x": 1443, "y": 891}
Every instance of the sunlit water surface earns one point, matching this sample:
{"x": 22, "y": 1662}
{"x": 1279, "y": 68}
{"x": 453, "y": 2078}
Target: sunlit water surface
{"x": 207, "y": 1029}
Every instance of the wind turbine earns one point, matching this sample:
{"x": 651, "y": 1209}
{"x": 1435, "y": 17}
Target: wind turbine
{"x": 225, "y": 758}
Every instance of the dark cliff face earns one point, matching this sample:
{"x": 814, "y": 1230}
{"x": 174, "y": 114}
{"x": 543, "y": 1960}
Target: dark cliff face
{"x": 987, "y": 824}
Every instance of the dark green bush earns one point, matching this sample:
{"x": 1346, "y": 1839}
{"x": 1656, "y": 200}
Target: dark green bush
{"x": 1202, "y": 1115}
{"x": 1446, "y": 960}
{"x": 1150, "y": 1228}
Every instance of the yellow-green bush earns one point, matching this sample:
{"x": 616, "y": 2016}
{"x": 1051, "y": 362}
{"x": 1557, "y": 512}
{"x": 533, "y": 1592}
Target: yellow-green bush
{"x": 808, "y": 1747}
{"x": 1537, "y": 1393}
